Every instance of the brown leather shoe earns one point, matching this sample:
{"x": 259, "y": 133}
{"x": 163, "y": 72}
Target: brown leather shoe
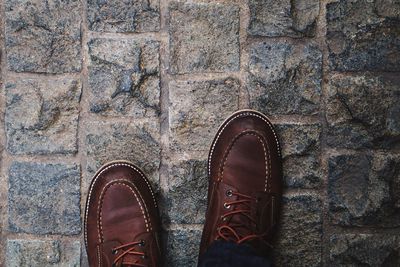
{"x": 245, "y": 175}
{"x": 122, "y": 223}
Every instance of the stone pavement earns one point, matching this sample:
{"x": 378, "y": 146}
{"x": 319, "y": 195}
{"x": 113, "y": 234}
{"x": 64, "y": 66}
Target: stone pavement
{"x": 85, "y": 82}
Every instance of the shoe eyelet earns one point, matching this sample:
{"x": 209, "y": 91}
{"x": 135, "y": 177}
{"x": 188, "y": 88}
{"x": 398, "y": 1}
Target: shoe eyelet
{"x": 144, "y": 256}
{"x": 223, "y": 218}
{"x": 114, "y": 251}
{"x": 229, "y": 193}
{"x": 226, "y": 206}
{"x": 142, "y": 243}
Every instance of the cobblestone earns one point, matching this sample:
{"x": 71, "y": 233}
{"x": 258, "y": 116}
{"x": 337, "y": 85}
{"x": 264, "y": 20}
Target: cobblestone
{"x": 27, "y": 253}
{"x": 204, "y": 37}
{"x": 300, "y": 236}
{"x": 301, "y": 150}
{"x": 364, "y": 250}
{"x": 364, "y": 35}
{"x": 124, "y": 16}
{"x": 138, "y": 143}
{"x": 284, "y": 78}
{"x": 124, "y": 77}
{"x": 362, "y": 111}
{"x": 182, "y": 247}
{"x": 196, "y": 110}
{"x": 44, "y": 198}
{"x": 187, "y": 192}
{"x": 42, "y": 116}
{"x": 364, "y": 190}
{"x": 295, "y": 18}
{"x": 43, "y": 36}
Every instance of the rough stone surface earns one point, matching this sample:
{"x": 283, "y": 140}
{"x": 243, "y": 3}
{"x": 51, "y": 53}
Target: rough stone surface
{"x": 284, "y": 78}
{"x": 364, "y": 250}
{"x": 124, "y": 77}
{"x": 44, "y": 198}
{"x": 300, "y": 237}
{"x": 42, "y": 116}
{"x": 43, "y": 36}
{"x": 295, "y": 18}
{"x": 362, "y": 111}
{"x": 183, "y": 247}
{"x": 204, "y": 37}
{"x": 196, "y": 110}
{"x": 123, "y": 16}
{"x": 300, "y": 151}
{"x": 364, "y": 35}
{"x": 187, "y": 192}
{"x": 138, "y": 143}
{"x": 364, "y": 189}
{"x": 27, "y": 253}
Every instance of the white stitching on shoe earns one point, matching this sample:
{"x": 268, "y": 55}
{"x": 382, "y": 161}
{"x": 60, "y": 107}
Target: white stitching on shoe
{"x": 98, "y": 175}
{"x": 266, "y": 156}
{"x": 108, "y": 186}
{"x": 247, "y": 113}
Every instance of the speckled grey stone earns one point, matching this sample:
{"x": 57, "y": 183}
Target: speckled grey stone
{"x": 138, "y": 143}
{"x": 187, "y": 192}
{"x": 362, "y": 111}
{"x": 42, "y": 116}
{"x": 196, "y": 110}
{"x": 364, "y": 250}
{"x": 44, "y": 198}
{"x": 124, "y": 77}
{"x": 204, "y": 37}
{"x": 300, "y": 237}
{"x": 124, "y": 16}
{"x": 44, "y": 253}
{"x": 284, "y": 78}
{"x": 43, "y": 36}
{"x": 183, "y": 247}
{"x": 364, "y": 190}
{"x": 364, "y": 35}
{"x": 295, "y": 18}
{"x": 300, "y": 145}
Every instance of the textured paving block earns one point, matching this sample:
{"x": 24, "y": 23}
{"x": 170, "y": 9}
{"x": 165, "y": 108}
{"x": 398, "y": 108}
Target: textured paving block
{"x": 301, "y": 150}
{"x": 186, "y": 198}
{"x": 42, "y": 116}
{"x": 138, "y": 143}
{"x": 299, "y": 239}
{"x": 363, "y": 111}
{"x": 364, "y": 35}
{"x": 124, "y": 77}
{"x": 44, "y": 253}
{"x": 284, "y": 78}
{"x": 364, "y": 250}
{"x": 364, "y": 190}
{"x": 295, "y": 18}
{"x": 183, "y": 247}
{"x": 204, "y": 37}
{"x": 196, "y": 110}
{"x": 44, "y": 198}
{"x": 43, "y": 36}
{"x": 123, "y": 16}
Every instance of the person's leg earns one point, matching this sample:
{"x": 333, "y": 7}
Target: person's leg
{"x": 229, "y": 254}
{"x": 245, "y": 177}
{"x": 122, "y": 226}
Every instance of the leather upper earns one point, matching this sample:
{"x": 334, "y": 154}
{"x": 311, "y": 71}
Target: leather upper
{"x": 121, "y": 218}
{"x": 245, "y": 176}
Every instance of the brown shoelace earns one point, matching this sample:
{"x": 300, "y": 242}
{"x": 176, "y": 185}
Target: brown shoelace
{"x": 229, "y": 230}
{"x": 129, "y": 249}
